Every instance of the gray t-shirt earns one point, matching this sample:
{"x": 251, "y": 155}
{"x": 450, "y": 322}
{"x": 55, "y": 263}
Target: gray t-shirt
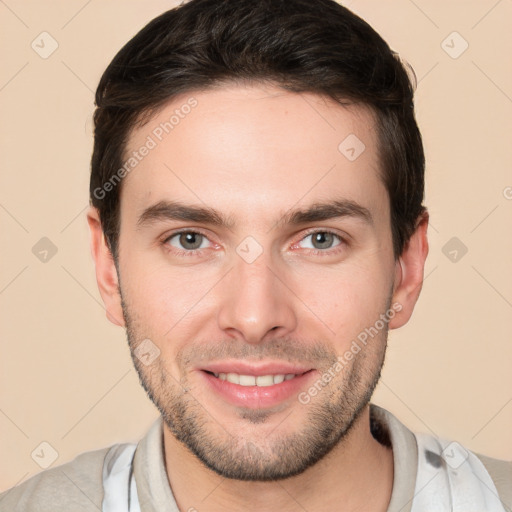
{"x": 77, "y": 485}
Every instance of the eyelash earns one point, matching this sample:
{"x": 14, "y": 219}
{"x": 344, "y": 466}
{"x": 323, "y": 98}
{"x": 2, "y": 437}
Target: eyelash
{"x": 182, "y": 252}
{"x": 316, "y": 252}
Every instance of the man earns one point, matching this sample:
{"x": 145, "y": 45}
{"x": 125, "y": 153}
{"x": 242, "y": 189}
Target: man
{"x": 257, "y": 226}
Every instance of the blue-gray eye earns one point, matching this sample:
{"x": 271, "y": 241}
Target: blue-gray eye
{"x": 187, "y": 240}
{"x": 322, "y": 240}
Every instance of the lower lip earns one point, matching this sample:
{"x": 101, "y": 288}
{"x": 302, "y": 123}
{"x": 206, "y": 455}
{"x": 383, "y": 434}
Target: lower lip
{"x": 257, "y": 397}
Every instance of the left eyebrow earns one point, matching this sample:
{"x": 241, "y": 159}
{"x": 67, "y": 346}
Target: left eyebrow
{"x": 318, "y": 212}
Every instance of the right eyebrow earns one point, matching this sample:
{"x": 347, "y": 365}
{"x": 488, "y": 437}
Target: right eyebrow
{"x": 173, "y": 210}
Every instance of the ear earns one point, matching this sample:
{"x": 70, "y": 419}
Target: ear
{"x": 409, "y": 273}
{"x": 106, "y": 272}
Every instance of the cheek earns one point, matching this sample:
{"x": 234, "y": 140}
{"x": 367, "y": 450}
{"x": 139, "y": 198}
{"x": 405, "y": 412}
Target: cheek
{"x": 165, "y": 299}
{"x": 348, "y": 299}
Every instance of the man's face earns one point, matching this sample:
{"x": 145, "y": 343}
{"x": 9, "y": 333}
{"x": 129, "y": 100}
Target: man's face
{"x": 276, "y": 292}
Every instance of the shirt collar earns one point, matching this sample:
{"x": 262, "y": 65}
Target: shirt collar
{"x": 155, "y": 492}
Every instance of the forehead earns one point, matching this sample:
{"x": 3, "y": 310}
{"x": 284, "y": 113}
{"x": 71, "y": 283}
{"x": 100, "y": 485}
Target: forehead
{"x": 250, "y": 150}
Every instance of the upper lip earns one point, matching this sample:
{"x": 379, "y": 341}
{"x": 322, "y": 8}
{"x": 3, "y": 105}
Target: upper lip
{"x": 262, "y": 368}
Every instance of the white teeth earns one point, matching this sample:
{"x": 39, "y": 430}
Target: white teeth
{"x": 251, "y": 380}
{"x": 233, "y": 377}
{"x": 264, "y": 380}
{"x": 247, "y": 380}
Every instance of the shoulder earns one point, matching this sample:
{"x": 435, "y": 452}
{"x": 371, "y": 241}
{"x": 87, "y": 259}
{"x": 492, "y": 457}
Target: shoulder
{"x": 501, "y": 474}
{"x": 406, "y": 445}
{"x": 76, "y": 485}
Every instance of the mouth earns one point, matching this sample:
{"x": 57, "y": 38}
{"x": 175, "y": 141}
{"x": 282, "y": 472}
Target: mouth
{"x": 255, "y": 380}
{"x": 256, "y": 389}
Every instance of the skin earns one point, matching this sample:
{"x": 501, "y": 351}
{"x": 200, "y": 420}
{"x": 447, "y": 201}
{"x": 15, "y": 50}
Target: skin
{"x": 253, "y": 153}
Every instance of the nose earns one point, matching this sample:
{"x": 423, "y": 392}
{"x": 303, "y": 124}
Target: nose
{"x": 256, "y": 303}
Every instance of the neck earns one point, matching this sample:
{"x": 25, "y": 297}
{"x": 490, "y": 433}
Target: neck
{"x": 356, "y": 475}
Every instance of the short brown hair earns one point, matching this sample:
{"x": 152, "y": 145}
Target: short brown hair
{"x": 315, "y": 46}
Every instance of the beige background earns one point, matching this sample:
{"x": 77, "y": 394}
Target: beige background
{"x": 66, "y": 377}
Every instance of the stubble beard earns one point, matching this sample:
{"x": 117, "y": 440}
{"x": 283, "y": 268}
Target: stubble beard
{"x": 330, "y": 416}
